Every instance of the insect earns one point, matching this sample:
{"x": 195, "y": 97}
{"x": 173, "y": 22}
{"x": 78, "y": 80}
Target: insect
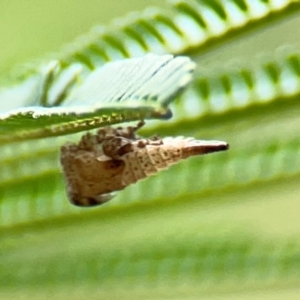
{"x": 114, "y": 158}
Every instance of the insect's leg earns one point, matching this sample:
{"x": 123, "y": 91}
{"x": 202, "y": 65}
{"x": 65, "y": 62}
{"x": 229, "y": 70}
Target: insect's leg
{"x": 87, "y": 142}
{"x": 105, "y": 133}
{"x": 116, "y": 147}
{"x": 130, "y": 131}
{"x": 139, "y": 125}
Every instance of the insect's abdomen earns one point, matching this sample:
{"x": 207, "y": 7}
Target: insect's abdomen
{"x": 154, "y": 156}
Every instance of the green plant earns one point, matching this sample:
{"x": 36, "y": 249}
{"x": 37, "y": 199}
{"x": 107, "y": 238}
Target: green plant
{"x": 222, "y": 226}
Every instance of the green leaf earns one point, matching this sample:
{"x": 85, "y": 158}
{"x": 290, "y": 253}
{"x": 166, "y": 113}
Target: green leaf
{"x": 271, "y": 81}
{"x": 128, "y": 90}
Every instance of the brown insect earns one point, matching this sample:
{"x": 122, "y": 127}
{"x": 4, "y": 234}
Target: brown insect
{"x": 116, "y": 157}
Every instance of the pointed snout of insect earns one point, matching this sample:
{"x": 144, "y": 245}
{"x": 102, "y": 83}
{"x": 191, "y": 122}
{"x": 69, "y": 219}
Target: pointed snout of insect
{"x": 205, "y": 147}
{"x": 214, "y": 146}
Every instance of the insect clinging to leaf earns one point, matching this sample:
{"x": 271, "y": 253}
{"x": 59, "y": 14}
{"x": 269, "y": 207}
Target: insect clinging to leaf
{"x": 114, "y": 158}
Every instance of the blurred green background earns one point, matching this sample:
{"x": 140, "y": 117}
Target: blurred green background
{"x": 31, "y": 29}
{"x": 246, "y": 234}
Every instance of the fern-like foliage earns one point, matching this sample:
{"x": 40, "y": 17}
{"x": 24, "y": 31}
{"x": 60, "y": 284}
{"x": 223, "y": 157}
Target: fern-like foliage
{"x": 118, "y": 92}
{"x": 209, "y": 226}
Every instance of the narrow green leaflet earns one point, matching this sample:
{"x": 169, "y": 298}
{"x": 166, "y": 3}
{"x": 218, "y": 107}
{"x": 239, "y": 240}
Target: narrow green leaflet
{"x": 189, "y": 27}
{"x": 134, "y": 89}
{"x": 274, "y": 81}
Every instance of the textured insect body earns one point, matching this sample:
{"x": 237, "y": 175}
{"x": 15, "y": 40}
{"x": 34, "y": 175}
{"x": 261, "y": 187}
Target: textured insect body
{"x": 116, "y": 157}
